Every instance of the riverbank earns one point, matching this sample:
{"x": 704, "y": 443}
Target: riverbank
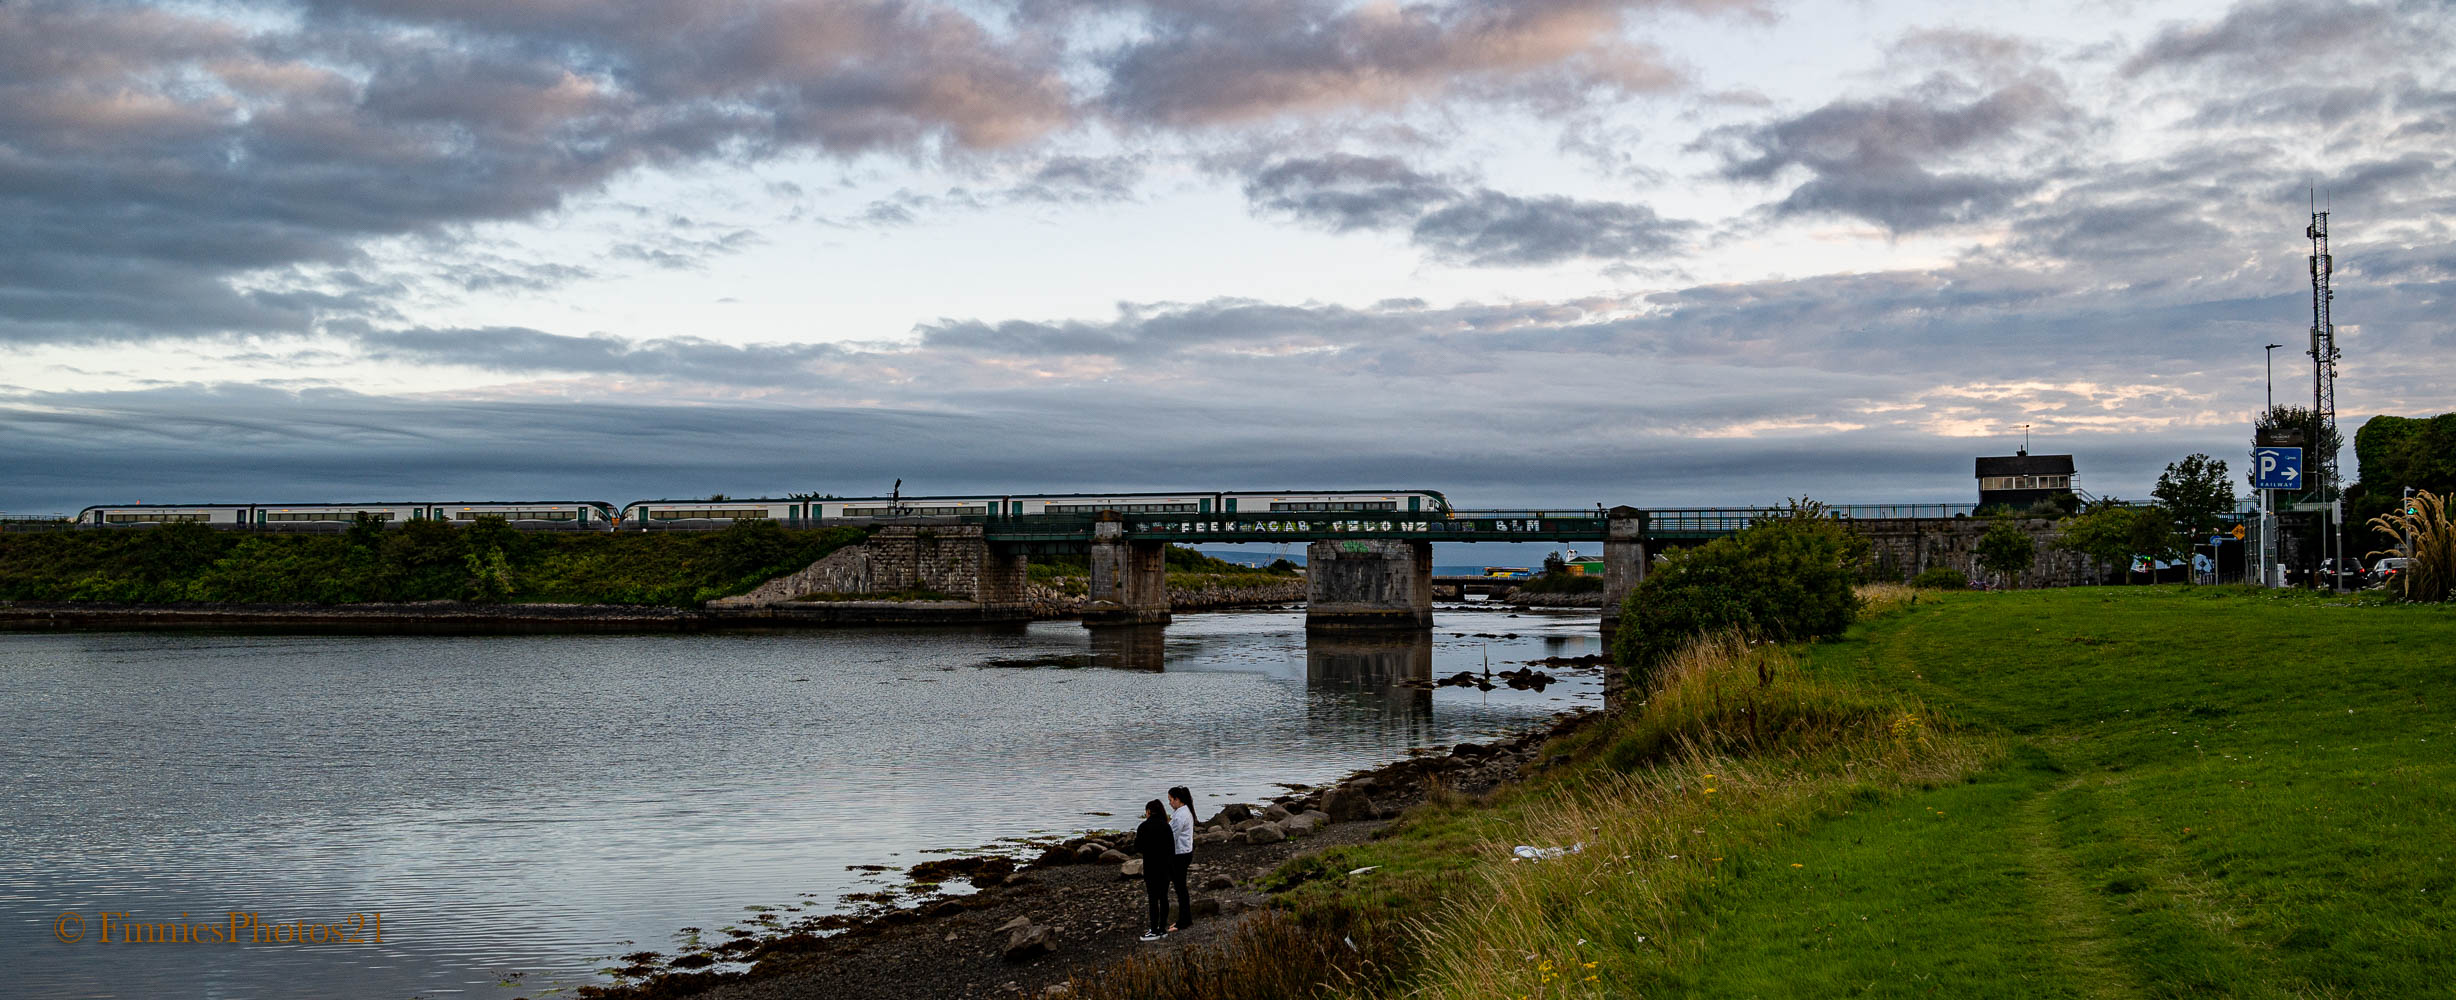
{"x": 2078, "y": 792}
{"x": 998, "y": 925}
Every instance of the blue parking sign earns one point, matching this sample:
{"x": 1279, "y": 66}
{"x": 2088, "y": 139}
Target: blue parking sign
{"x": 2276, "y": 468}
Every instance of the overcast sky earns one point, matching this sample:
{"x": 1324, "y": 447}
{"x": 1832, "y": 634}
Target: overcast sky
{"x": 1550, "y": 251}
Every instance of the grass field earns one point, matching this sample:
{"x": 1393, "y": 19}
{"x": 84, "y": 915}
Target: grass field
{"x": 2116, "y": 792}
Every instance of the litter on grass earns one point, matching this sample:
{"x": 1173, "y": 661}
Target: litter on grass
{"x": 1545, "y": 853}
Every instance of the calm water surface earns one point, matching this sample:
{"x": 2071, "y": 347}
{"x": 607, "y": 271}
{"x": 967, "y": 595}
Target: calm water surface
{"x": 517, "y": 807}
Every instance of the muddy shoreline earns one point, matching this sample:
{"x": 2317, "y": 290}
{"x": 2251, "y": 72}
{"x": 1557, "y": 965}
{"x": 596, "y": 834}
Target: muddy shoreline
{"x": 1000, "y": 924}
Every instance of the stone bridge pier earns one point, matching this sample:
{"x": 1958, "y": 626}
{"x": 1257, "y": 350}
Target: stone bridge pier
{"x": 1369, "y": 583}
{"x": 1129, "y": 578}
{"x": 1624, "y": 560}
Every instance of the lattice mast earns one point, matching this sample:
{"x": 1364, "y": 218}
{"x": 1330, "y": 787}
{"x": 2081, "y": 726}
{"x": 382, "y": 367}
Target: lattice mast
{"x": 2324, "y": 355}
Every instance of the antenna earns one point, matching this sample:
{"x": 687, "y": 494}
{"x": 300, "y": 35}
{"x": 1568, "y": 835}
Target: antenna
{"x": 2324, "y": 357}
{"x": 2025, "y": 439}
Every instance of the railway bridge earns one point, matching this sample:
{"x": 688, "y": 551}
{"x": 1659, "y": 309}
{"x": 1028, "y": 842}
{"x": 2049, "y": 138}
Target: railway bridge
{"x": 1364, "y": 569}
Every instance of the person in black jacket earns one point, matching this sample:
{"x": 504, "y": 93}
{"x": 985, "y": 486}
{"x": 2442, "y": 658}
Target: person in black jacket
{"x": 1157, "y": 846}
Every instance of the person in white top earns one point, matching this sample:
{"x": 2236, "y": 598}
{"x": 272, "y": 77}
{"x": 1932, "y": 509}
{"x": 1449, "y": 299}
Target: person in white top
{"x": 1181, "y": 824}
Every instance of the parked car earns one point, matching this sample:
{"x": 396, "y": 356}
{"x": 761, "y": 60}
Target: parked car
{"x": 2384, "y": 572}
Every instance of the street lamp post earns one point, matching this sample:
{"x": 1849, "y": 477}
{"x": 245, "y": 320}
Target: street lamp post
{"x": 2272, "y": 376}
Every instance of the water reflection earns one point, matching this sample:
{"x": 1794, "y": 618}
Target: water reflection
{"x": 1130, "y": 647}
{"x": 1388, "y": 672}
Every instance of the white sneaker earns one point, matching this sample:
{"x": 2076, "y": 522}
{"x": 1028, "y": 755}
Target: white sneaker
{"x": 1149, "y": 936}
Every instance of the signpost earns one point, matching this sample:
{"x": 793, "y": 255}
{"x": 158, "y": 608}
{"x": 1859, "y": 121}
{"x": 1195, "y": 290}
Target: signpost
{"x": 2276, "y": 468}
{"x": 2273, "y": 469}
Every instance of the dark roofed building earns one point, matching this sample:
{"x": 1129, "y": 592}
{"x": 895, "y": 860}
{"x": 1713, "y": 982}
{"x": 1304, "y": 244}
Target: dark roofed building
{"x": 2022, "y": 479}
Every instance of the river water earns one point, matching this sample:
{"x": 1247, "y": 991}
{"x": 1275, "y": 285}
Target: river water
{"x": 518, "y": 807}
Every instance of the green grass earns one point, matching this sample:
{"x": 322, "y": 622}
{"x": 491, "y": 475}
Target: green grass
{"x": 2103, "y": 792}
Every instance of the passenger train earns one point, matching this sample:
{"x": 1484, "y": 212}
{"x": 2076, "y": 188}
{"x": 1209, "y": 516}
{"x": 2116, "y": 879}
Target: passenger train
{"x": 645, "y": 515}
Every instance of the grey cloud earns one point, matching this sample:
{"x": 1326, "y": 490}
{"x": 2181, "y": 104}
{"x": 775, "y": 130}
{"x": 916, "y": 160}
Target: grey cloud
{"x": 1457, "y": 222}
{"x": 156, "y": 153}
{"x": 1206, "y": 62}
{"x": 2259, "y": 38}
{"x": 526, "y": 351}
{"x": 1873, "y": 159}
{"x": 1081, "y": 178}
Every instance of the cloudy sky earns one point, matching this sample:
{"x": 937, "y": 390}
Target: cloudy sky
{"x": 1560, "y": 251}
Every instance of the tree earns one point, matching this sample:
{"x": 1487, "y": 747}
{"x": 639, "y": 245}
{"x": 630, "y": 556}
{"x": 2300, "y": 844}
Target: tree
{"x": 2007, "y": 551}
{"x": 2103, "y": 533}
{"x": 2197, "y": 494}
{"x": 2151, "y": 535}
{"x": 1782, "y": 579}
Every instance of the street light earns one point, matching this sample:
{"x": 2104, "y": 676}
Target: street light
{"x": 2272, "y": 376}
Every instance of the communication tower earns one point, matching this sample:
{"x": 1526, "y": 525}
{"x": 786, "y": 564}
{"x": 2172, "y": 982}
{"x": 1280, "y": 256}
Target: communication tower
{"x": 2324, "y": 356}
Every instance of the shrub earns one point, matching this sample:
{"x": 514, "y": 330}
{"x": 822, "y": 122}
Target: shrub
{"x": 1940, "y": 578}
{"x": 1783, "y": 579}
{"x": 2007, "y": 549}
{"x": 2427, "y": 537}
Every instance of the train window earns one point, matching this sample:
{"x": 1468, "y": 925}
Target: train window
{"x": 1122, "y": 508}
{"x": 326, "y": 515}
{"x": 151, "y": 517}
{"x": 1335, "y": 505}
{"x": 518, "y": 515}
{"x": 912, "y": 511}
{"x": 736, "y": 513}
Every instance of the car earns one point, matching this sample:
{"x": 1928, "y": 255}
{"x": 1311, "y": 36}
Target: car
{"x": 2384, "y": 572}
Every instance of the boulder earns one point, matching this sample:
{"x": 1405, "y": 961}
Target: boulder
{"x": 1206, "y": 907}
{"x": 1236, "y": 812}
{"x": 1211, "y": 838}
{"x": 1276, "y": 812}
{"x": 1112, "y": 856}
{"x": 1131, "y": 869}
{"x": 1267, "y": 833}
{"x": 1054, "y": 856}
{"x": 1218, "y": 882}
{"x": 1028, "y": 942}
{"x": 1088, "y": 853}
{"x": 1016, "y": 924}
{"x": 1301, "y": 824}
{"x": 1346, "y": 804}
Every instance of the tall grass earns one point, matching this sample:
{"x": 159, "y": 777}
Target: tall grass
{"x": 2427, "y": 537}
{"x": 1735, "y": 743}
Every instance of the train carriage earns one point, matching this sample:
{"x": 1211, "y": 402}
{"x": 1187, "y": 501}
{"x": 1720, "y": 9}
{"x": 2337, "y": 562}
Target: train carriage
{"x": 527, "y": 514}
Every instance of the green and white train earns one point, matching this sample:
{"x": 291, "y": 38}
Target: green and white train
{"x": 651, "y": 515}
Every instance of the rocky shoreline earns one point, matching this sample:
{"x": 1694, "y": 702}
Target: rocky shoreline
{"x": 1042, "y": 604}
{"x": 1028, "y": 926}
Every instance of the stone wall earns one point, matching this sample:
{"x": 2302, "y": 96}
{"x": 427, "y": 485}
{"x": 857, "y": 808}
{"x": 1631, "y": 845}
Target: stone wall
{"x": 949, "y": 559}
{"x": 1903, "y": 547}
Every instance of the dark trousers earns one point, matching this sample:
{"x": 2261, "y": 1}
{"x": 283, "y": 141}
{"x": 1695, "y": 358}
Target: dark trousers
{"x": 1182, "y": 865}
{"x": 1155, "y": 893}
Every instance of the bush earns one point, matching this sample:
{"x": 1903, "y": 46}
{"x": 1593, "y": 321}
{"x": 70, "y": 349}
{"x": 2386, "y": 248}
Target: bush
{"x": 2428, "y": 537}
{"x": 1940, "y": 578}
{"x": 1783, "y": 579}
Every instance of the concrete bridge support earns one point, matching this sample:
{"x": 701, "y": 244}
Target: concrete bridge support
{"x": 1129, "y": 578}
{"x": 1624, "y": 560}
{"x": 1377, "y": 583}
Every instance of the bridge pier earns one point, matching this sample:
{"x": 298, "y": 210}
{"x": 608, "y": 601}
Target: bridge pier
{"x": 1369, "y": 583}
{"x": 1129, "y": 578}
{"x": 1624, "y": 560}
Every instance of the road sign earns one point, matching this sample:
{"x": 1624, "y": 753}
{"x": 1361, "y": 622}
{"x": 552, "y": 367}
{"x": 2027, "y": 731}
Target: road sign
{"x": 2239, "y": 532}
{"x": 2276, "y": 468}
